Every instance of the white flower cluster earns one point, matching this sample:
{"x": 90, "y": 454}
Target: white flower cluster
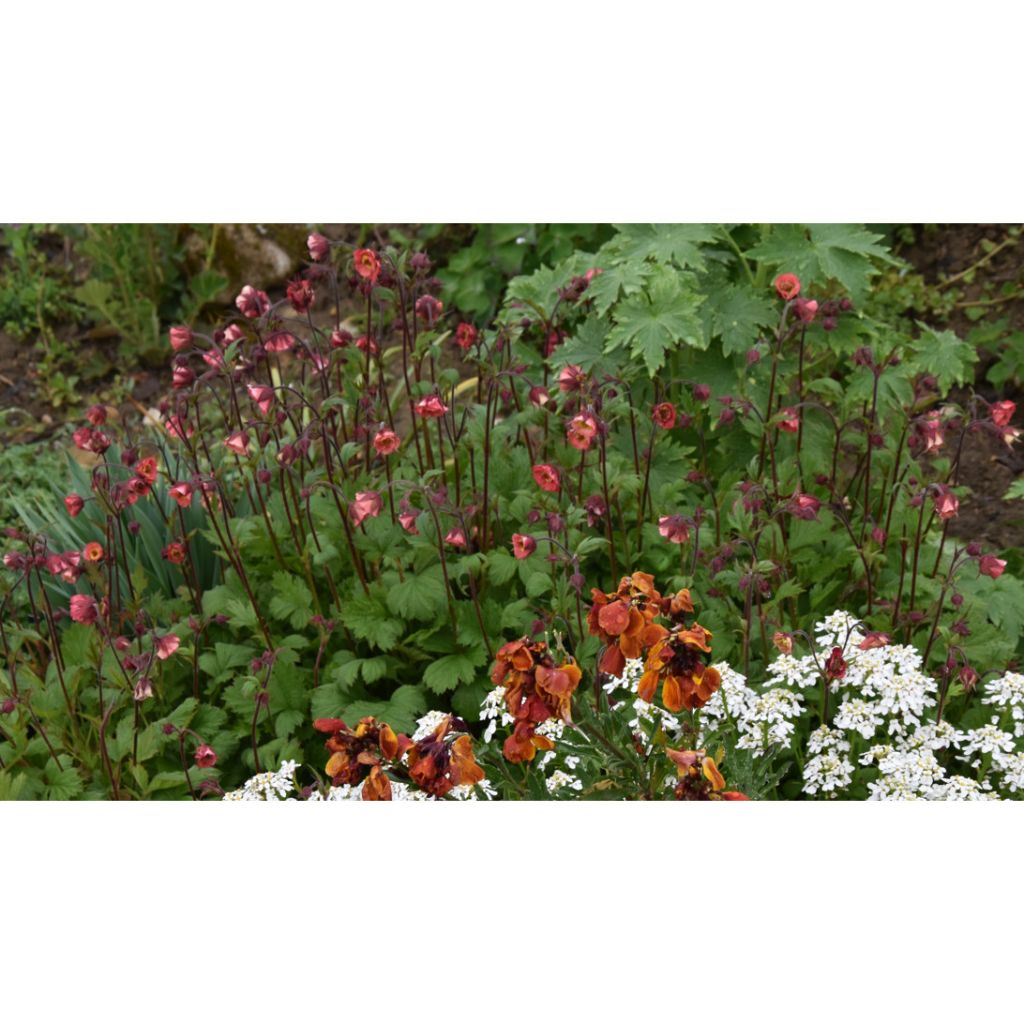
{"x": 883, "y": 697}
{"x": 268, "y": 785}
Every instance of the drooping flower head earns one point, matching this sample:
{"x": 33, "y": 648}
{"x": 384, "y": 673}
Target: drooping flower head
{"x": 547, "y": 477}
{"x": 444, "y": 759}
{"x": 367, "y": 264}
{"x": 367, "y": 505}
{"x": 623, "y": 621}
{"x": 664, "y": 415}
{"x": 431, "y": 407}
{"x": 787, "y": 286}
{"x": 581, "y": 431}
{"x": 536, "y": 689}
{"x": 252, "y": 302}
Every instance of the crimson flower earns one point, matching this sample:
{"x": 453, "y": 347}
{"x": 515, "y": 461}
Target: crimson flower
{"x": 1002, "y": 413}
{"x": 674, "y": 529}
{"x": 74, "y": 503}
{"x": 238, "y": 442}
{"x": 318, "y": 246}
{"x": 787, "y": 286}
{"x": 547, "y": 477}
{"x": 664, "y": 415}
{"x": 180, "y": 338}
{"x": 367, "y": 264}
{"x": 989, "y": 565}
{"x": 182, "y": 494}
{"x": 165, "y": 645}
{"x": 367, "y": 505}
{"x": 430, "y": 407}
{"x": 571, "y": 378}
{"x": 174, "y": 553}
{"x": 465, "y": 336}
{"x": 581, "y": 430}
{"x": 387, "y": 442}
{"x": 252, "y": 302}
{"x": 946, "y": 502}
{"x": 804, "y": 506}
{"x": 523, "y": 545}
{"x": 206, "y": 756}
{"x": 93, "y": 552}
{"x": 806, "y": 310}
{"x": 84, "y": 609}
{"x": 262, "y": 395}
{"x": 790, "y": 421}
{"x": 300, "y": 294}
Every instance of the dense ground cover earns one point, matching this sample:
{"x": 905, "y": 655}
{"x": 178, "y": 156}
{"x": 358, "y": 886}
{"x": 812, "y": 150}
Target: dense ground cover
{"x": 580, "y": 530}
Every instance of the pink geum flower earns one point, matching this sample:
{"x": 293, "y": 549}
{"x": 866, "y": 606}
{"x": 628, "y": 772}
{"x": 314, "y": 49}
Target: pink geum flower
{"x": 174, "y": 553}
{"x": 581, "y": 431}
{"x": 806, "y": 310}
{"x": 84, "y": 609}
{"x": 456, "y": 537}
{"x": 465, "y": 336}
{"x": 430, "y": 407}
{"x": 93, "y": 552}
{"x": 262, "y": 395}
{"x": 212, "y": 357}
{"x": 165, "y": 646}
{"x": 408, "y": 521}
{"x": 143, "y": 689}
{"x": 523, "y": 545}
{"x": 1002, "y": 413}
{"x": 74, "y": 503}
{"x": 206, "y": 756}
{"x": 96, "y": 415}
{"x": 571, "y": 378}
{"x": 429, "y": 309}
{"x": 182, "y": 494}
{"x": 280, "y": 341}
{"x": 363, "y": 343}
{"x": 251, "y": 302}
{"x": 147, "y": 469}
{"x": 674, "y": 529}
{"x": 300, "y": 294}
{"x": 803, "y": 506}
{"x": 790, "y": 421}
{"x": 873, "y": 640}
{"x": 787, "y": 286}
{"x": 180, "y": 338}
{"x": 182, "y": 377}
{"x": 946, "y": 503}
{"x": 318, "y": 246}
{"x": 664, "y": 415}
{"x": 387, "y": 442}
{"x": 989, "y": 565}
{"x": 367, "y": 505}
{"x": 928, "y": 433}
{"x": 178, "y": 428}
{"x": 547, "y": 477}
{"x": 539, "y": 396}
{"x": 238, "y": 442}
{"x": 367, "y": 264}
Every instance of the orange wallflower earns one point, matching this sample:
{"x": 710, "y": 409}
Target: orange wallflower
{"x": 676, "y": 663}
{"x": 443, "y": 760}
{"x": 699, "y": 777}
{"x": 623, "y": 621}
{"x": 355, "y": 753}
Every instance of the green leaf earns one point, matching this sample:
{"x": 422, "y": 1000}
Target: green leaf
{"x": 1015, "y": 490}
{"x": 501, "y": 566}
{"x": 738, "y": 314}
{"x": 666, "y": 243}
{"x": 944, "y": 355}
{"x": 447, "y": 672}
{"x": 61, "y": 783}
{"x": 618, "y": 279}
{"x": 419, "y": 596}
{"x": 819, "y": 252}
{"x": 656, "y": 322}
{"x": 292, "y": 600}
{"x": 369, "y": 620}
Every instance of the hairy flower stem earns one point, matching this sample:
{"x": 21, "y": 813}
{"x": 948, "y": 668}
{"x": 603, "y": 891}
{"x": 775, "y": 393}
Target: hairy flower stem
{"x": 608, "y": 508}
{"x": 917, "y": 552}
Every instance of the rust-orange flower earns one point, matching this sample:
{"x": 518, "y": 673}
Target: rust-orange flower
{"x": 443, "y": 760}
{"x": 536, "y": 689}
{"x": 676, "y": 662}
{"x": 699, "y": 777}
{"x": 623, "y": 621}
{"x": 355, "y": 752}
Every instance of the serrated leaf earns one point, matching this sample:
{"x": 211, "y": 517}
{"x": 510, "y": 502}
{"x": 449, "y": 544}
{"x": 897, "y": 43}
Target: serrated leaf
{"x": 738, "y": 314}
{"x": 657, "y": 321}
{"x": 449, "y": 671}
{"x": 944, "y": 355}
{"x": 666, "y": 243}
{"x": 291, "y": 600}
{"x": 419, "y": 596}
{"x": 369, "y": 620}
{"x": 620, "y": 278}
